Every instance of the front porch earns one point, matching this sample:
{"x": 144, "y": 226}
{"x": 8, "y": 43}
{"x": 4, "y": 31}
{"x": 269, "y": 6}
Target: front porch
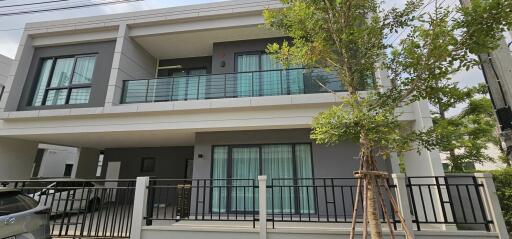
{"x": 206, "y": 183}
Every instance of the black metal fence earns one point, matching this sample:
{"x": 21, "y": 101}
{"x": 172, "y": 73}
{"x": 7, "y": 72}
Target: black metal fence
{"x": 321, "y": 200}
{"x": 448, "y": 200}
{"x": 92, "y": 208}
{"x": 230, "y": 85}
{"x": 202, "y": 200}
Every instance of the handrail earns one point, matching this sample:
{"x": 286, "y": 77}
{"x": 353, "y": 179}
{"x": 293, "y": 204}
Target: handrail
{"x": 230, "y": 85}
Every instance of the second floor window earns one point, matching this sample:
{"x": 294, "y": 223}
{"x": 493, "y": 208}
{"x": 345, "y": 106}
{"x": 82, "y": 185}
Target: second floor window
{"x": 64, "y": 81}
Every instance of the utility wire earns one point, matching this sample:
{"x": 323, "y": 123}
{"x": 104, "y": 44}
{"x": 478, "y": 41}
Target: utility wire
{"x": 34, "y": 3}
{"x": 51, "y": 5}
{"x": 65, "y": 8}
{"x": 416, "y": 15}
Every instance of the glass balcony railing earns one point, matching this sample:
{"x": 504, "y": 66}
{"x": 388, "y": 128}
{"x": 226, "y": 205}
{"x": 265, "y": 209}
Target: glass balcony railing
{"x": 231, "y": 85}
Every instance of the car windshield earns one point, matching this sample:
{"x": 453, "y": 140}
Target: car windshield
{"x": 14, "y": 202}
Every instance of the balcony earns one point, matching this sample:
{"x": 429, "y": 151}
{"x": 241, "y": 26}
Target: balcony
{"x": 232, "y": 85}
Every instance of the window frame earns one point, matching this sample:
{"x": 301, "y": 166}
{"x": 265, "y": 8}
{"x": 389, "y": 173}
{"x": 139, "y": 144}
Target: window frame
{"x": 142, "y": 168}
{"x": 69, "y": 87}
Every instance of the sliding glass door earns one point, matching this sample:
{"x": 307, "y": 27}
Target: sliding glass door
{"x": 261, "y": 75}
{"x": 245, "y": 165}
{"x": 288, "y": 167}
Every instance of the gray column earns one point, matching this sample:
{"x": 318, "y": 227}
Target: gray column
{"x": 86, "y": 164}
{"x": 16, "y": 158}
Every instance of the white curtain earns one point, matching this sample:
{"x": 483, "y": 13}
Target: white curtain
{"x": 42, "y": 81}
{"x": 245, "y": 162}
{"x": 219, "y": 174}
{"x": 271, "y": 80}
{"x": 278, "y": 165}
{"x": 304, "y": 175}
{"x": 84, "y": 69}
{"x": 62, "y": 72}
{"x": 246, "y": 82}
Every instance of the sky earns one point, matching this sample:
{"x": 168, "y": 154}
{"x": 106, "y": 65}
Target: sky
{"x": 11, "y": 27}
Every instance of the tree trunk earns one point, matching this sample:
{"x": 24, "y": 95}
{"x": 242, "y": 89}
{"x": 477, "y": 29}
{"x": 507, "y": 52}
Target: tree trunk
{"x": 372, "y": 207}
{"x": 372, "y": 200}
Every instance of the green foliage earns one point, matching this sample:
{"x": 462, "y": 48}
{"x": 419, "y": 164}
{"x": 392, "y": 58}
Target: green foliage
{"x": 466, "y": 136}
{"x": 352, "y": 39}
{"x": 502, "y": 180}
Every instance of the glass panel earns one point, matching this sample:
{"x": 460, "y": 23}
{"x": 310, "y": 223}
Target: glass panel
{"x": 42, "y": 81}
{"x": 245, "y": 166}
{"x": 196, "y": 84}
{"x": 80, "y": 96}
{"x": 84, "y": 69}
{"x": 295, "y": 81}
{"x": 330, "y": 80}
{"x": 135, "y": 91}
{"x": 179, "y": 85}
{"x": 56, "y": 97}
{"x": 304, "y": 175}
{"x": 161, "y": 88}
{"x": 219, "y": 174}
{"x": 62, "y": 72}
{"x": 246, "y": 86}
{"x": 278, "y": 165}
{"x": 271, "y": 81}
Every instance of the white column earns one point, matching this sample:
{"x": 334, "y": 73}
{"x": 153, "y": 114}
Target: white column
{"x": 262, "y": 185}
{"x": 427, "y": 163}
{"x": 493, "y": 204}
{"x": 402, "y": 199}
{"x": 139, "y": 206}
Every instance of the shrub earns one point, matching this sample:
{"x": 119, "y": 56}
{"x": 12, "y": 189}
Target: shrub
{"x": 503, "y": 181}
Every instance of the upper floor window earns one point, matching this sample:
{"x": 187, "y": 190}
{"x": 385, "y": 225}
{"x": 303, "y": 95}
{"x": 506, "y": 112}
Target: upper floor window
{"x": 64, "y": 80}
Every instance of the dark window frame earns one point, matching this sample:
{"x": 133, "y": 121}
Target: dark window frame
{"x": 68, "y": 170}
{"x": 70, "y": 86}
{"x": 143, "y": 169}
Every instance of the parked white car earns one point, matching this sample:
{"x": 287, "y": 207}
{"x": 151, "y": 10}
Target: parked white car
{"x": 68, "y": 195}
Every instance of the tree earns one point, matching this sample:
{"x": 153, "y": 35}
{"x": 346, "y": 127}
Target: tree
{"x": 465, "y": 136}
{"x": 351, "y": 39}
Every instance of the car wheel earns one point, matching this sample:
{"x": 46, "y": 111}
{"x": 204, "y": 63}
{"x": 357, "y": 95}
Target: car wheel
{"x": 94, "y": 204}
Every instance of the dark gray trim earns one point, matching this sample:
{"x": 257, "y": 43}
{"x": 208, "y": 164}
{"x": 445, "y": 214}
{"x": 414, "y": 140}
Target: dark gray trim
{"x": 105, "y": 54}
{"x": 186, "y": 63}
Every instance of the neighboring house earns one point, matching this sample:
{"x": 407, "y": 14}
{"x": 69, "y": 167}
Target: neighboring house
{"x": 5, "y": 67}
{"x": 181, "y": 93}
{"x": 492, "y": 151}
{"x": 54, "y": 161}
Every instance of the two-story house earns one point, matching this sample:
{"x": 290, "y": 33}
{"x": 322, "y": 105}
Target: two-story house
{"x": 184, "y": 93}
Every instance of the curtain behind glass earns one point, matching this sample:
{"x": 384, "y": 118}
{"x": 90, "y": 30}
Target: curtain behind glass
{"x": 83, "y": 70}
{"x": 278, "y": 163}
{"x": 246, "y": 84}
{"x": 196, "y": 84}
{"x": 179, "y": 91}
{"x": 62, "y": 72}
{"x": 304, "y": 172}
{"x": 271, "y": 81}
{"x": 219, "y": 173}
{"x": 245, "y": 166}
{"x": 41, "y": 82}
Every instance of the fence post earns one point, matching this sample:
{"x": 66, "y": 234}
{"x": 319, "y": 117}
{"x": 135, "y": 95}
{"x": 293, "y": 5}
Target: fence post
{"x": 493, "y": 204}
{"x": 139, "y": 206}
{"x": 262, "y": 185}
{"x": 402, "y": 199}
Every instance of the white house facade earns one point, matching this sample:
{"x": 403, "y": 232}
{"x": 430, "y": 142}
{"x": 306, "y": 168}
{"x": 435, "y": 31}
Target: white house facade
{"x": 188, "y": 93}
